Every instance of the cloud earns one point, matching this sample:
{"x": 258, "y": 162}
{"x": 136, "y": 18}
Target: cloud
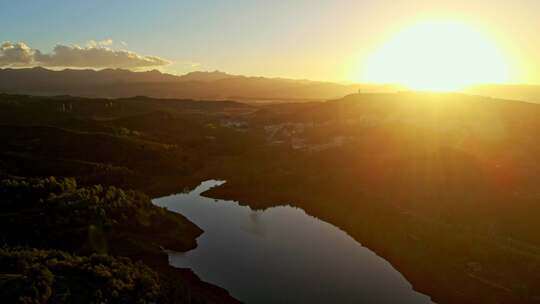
{"x": 102, "y": 43}
{"x": 15, "y": 54}
{"x": 94, "y": 55}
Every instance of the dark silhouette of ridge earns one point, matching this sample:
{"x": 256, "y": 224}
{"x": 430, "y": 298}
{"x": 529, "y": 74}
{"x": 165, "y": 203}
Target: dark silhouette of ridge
{"x": 119, "y": 83}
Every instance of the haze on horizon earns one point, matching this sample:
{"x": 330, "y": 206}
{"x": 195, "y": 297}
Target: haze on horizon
{"x": 438, "y": 43}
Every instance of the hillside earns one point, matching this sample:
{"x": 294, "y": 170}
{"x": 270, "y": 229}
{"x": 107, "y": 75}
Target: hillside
{"x": 530, "y": 93}
{"x": 443, "y": 186}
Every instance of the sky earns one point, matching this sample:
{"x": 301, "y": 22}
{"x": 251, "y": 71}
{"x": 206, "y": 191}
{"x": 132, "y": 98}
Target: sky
{"x": 305, "y": 39}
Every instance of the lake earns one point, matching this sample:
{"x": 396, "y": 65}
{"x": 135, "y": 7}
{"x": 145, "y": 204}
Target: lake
{"x": 282, "y": 255}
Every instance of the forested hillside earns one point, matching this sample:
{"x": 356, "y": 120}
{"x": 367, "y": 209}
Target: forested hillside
{"x": 444, "y": 186}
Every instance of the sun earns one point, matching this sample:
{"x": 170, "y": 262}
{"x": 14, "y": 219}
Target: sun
{"x": 437, "y": 56}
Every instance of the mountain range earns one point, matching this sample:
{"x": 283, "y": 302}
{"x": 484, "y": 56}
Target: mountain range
{"x": 118, "y": 83}
{"x": 216, "y": 85}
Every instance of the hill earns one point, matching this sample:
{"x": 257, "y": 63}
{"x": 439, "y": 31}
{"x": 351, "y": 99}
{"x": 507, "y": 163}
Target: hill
{"x": 443, "y": 186}
{"x": 530, "y": 93}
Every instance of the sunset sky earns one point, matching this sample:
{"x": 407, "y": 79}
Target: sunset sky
{"x": 313, "y": 39}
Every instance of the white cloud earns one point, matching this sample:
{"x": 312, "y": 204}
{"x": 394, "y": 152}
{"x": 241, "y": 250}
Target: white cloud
{"x": 94, "y": 55}
{"x": 106, "y": 42}
{"x": 15, "y": 54}
{"x": 101, "y": 43}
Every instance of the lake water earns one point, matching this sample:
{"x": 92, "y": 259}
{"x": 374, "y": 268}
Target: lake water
{"x": 282, "y": 255}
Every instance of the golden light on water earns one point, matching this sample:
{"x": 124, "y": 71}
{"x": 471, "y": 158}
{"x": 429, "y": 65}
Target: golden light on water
{"x": 437, "y": 56}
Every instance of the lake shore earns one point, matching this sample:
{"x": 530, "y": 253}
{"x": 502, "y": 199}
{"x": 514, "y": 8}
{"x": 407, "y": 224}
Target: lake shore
{"x": 390, "y": 243}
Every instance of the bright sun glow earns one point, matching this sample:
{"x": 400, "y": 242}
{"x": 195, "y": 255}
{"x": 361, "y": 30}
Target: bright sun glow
{"x": 437, "y": 56}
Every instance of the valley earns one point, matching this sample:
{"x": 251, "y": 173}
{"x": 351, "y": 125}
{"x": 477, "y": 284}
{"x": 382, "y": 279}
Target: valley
{"x": 440, "y": 185}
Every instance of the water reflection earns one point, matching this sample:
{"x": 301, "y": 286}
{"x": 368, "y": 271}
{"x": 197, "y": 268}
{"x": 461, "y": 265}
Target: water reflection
{"x": 282, "y": 255}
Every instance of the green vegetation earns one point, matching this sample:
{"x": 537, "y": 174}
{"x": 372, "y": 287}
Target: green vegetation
{"x": 87, "y": 236}
{"x": 140, "y": 143}
{"x": 444, "y": 186}
{"x": 51, "y": 276}
{"x": 51, "y": 213}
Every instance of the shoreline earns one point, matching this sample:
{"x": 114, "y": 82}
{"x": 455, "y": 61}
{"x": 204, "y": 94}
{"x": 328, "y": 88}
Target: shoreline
{"x": 414, "y": 273}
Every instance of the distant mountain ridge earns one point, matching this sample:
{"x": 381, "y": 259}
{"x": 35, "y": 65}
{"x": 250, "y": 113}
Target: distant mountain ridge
{"x": 216, "y": 85}
{"x": 118, "y": 83}
{"x": 530, "y": 93}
